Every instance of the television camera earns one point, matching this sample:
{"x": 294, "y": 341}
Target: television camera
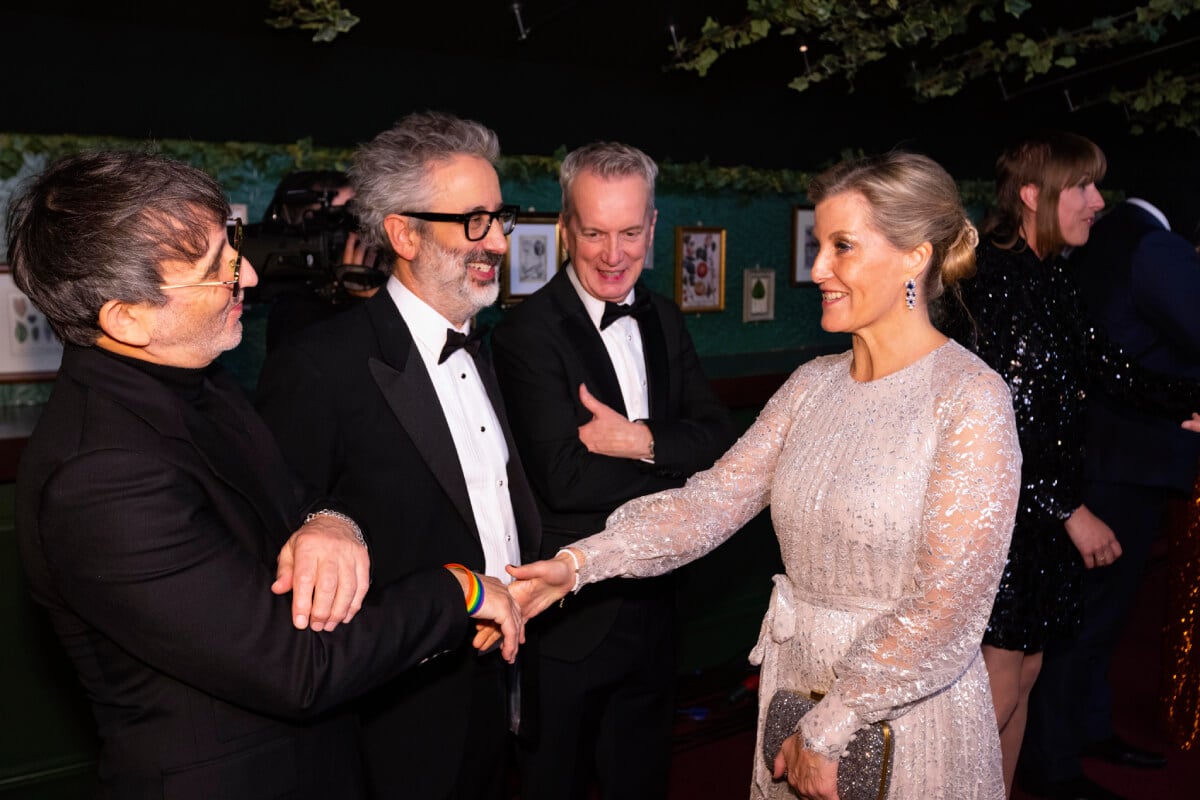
{"x": 300, "y": 244}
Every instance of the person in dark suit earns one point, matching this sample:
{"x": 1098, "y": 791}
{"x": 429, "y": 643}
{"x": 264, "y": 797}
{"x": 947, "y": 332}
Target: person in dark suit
{"x": 1141, "y": 285}
{"x": 151, "y": 503}
{"x": 393, "y": 407}
{"x": 608, "y": 402}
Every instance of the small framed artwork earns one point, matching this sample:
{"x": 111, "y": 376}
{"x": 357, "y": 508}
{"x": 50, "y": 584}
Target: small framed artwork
{"x": 700, "y": 268}
{"x": 29, "y": 350}
{"x": 758, "y": 295}
{"x": 804, "y": 246}
{"x": 534, "y": 255}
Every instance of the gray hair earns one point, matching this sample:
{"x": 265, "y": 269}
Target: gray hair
{"x": 607, "y": 160}
{"x": 390, "y": 173}
{"x": 97, "y": 226}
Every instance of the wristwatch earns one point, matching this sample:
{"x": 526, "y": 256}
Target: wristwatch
{"x": 647, "y": 424}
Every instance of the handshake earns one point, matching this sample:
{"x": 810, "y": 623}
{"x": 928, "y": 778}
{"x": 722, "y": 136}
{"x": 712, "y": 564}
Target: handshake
{"x": 326, "y": 567}
{"x": 500, "y": 612}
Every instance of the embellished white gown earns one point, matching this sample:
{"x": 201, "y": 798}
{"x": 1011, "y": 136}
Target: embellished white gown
{"x": 893, "y": 501}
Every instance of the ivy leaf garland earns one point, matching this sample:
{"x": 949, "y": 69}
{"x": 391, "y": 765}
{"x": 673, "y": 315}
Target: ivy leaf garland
{"x": 237, "y": 165}
{"x": 973, "y": 39}
{"x": 326, "y": 17}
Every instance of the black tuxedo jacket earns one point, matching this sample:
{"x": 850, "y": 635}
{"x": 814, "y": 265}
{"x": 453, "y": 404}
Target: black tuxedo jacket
{"x": 544, "y": 349}
{"x": 1141, "y": 285}
{"x": 355, "y": 412}
{"x": 154, "y": 558}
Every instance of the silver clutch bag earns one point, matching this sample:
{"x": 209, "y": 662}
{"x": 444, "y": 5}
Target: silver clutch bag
{"x": 864, "y": 771}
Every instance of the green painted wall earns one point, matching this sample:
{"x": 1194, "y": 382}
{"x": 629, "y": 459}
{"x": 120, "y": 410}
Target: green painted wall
{"x": 753, "y": 206}
{"x": 758, "y": 236}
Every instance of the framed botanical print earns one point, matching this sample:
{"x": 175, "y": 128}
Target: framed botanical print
{"x": 700, "y": 268}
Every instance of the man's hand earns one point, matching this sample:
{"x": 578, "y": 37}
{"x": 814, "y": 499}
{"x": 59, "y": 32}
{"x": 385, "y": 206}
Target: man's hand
{"x": 1192, "y": 424}
{"x": 540, "y": 584}
{"x": 1094, "y": 540}
{"x": 811, "y": 775}
{"x": 610, "y": 434}
{"x": 328, "y": 572}
{"x": 499, "y": 614}
{"x": 356, "y": 253}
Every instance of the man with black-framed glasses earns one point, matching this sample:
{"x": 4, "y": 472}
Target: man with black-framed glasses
{"x": 155, "y": 516}
{"x": 393, "y": 406}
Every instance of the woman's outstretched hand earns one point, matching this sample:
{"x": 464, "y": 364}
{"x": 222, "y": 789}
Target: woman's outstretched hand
{"x": 538, "y": 585}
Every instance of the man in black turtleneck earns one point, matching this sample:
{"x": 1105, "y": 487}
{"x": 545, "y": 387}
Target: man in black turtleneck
{"x": 155, "y": 516}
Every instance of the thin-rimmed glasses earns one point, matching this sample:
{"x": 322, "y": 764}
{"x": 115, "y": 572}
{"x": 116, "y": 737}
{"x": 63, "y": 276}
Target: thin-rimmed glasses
{"x": 234, "y": 284}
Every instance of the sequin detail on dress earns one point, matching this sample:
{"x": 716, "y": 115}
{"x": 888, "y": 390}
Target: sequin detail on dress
{"x": 893, "y": 502}
{"x": 1030, "y": 326}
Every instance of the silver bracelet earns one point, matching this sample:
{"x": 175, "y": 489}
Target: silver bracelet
{"x": 327, "y": 512}
{"x": 575, "y": 561}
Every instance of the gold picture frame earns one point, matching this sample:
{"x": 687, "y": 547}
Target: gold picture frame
{"x": 30, "y": 350}
{"x": 804, "y": 245}
{"x": 534, "y": 255}
{"x": 700, "y": 268}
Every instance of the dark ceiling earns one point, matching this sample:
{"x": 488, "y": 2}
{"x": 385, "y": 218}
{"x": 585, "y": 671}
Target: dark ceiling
{"x": 586, "y": 70}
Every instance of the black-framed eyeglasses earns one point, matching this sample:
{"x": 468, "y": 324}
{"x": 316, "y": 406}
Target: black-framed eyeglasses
{"x": 476, "y": 224}
{"x": 234, "y": 284}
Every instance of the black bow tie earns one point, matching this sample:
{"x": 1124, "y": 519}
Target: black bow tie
{"x": 614, "y": 311}
{"x": 456, "y": 341}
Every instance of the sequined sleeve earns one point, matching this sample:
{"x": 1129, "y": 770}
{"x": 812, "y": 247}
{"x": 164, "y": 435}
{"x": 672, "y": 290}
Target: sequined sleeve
{"x": 657, "y": 533}
{"x": 1111, "y": 370}
{"x": 1022, "y": 324}
{"x": 927, "y": 642}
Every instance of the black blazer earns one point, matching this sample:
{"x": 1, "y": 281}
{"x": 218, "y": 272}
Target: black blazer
{"x": 355, "y": 412}
{"x": 155, "y": 562}
{"x": 544, "y": 349}
{"x": 1141, "y": 285}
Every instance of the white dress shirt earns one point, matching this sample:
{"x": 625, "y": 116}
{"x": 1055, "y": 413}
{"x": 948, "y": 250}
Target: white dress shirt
{"x": 623, "y": 340}
{"x": 478, "y": 438}
{"x": 1150, "y": 209}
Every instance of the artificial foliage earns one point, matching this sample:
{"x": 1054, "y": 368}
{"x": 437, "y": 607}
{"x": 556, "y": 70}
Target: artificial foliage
{"x": 326, "y": 18}
{"x": 236, "y": 164}
{"x": 941, "y": 46}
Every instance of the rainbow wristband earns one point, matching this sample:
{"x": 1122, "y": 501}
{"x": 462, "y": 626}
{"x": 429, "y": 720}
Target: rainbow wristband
{"x": 475, "y": 593}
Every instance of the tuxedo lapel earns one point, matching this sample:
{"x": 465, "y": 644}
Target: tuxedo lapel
{"x": 580, "y": 333}
{"x": 401, "y": 376}
{"x": 658, "y": 368}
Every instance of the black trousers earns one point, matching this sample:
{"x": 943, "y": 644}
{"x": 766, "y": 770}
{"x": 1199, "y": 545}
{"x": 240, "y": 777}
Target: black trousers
{"x": 1071, "y": 705}
{"x": 608, "y": 716}
{"x": 406, "y": 748}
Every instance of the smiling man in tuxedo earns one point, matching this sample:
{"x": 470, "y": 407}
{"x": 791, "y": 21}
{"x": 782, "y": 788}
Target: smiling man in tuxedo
{"x": 608, "y": 403}
{"x": 393, "y": 407}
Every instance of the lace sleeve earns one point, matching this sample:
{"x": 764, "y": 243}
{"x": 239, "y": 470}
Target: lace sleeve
{"x": 655, "y": 534}
{"x": 927, "y": 642}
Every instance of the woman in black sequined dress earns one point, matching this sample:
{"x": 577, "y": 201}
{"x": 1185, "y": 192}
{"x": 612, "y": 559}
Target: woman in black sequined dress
{"x": 1023, "y": 316}
{"x": 1028, "y": 325}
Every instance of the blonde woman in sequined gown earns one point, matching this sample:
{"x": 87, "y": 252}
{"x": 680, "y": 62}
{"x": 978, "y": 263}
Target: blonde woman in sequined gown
{"x": 892, "y": 475}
